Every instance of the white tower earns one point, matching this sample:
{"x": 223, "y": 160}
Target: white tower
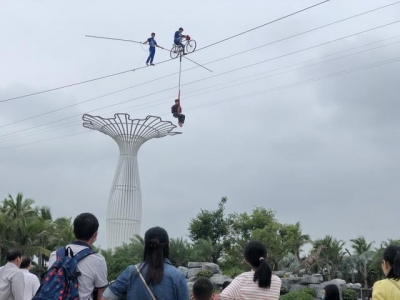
{"x": 124, "y": 214}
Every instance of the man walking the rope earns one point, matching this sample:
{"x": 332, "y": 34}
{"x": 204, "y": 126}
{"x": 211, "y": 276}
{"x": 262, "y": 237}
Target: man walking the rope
{"x": 176, "y": 111}
{"x": 152, "y": 49}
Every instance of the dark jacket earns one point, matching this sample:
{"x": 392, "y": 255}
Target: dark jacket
{"x": 176, "y": 109}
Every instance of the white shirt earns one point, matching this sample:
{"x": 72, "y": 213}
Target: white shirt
{"x": 93, "y": 270}
{"x": 243, "y": 287}
{"x": 31, "y": 284}
{"x": 11, "y": 283}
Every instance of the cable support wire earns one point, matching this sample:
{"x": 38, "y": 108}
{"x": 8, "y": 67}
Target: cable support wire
{"x": 240, "y": 79}
{"x": 150, "y": 81}
{"x": 78, "y": 115}
{"x": 298, "y": 83}
{"x": 257, "y": 27}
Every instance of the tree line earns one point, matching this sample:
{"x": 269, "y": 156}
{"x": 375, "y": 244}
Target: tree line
{"x": 214, "y": 236}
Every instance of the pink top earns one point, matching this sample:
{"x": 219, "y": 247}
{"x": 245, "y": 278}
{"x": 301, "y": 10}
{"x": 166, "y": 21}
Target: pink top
{"x": 244, "y": 288}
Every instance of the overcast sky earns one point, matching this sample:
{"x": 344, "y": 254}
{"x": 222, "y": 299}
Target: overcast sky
{"x": 323, "y": 152}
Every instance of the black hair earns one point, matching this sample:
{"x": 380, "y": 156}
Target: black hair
{"x": 225, "y": 284}
{"x": 156, "y": 250}
{"x": 176, "y": 100}
{"x": 26, "y": 261}
{"x": 13, "y": 254}
{"x": 85, "y": 225}
{"x": 255, "y": 254}
{"x": 392, "y": 256}
{"x": 203, "y": 289}
{"x": 153, "y": 33}
{"x": 180, "y": 28}
{"x": 332, "y": 292}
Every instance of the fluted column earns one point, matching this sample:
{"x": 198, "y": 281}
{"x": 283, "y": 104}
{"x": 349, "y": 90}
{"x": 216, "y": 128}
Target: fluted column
{"x": 124, "y": 213}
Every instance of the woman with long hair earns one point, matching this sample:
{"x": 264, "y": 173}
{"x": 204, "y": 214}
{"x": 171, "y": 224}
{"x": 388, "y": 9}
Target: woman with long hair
{"x": 331, "y": 292}
{"x": 154, "y": 278}
{"x": 389, "y": 288}
{"x": 259, "y": 283}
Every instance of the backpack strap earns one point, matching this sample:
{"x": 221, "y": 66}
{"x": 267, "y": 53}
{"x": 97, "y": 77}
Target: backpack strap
{"x": 83, "y": 253}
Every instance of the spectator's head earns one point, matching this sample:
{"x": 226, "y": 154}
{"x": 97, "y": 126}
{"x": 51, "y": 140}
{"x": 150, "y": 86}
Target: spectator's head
{"x": 180, "y": 29}
{"x": 26, "y": 262}
{"x": 85, "y": 228}
{"x": 391, "y": 262}
{"x": 331, "y": 292}
{"x": 156, "y": 250}
{"x": 255, "y": 254}
{"x": 14, "y": 256}
{"x": 202, "y": 289}
{"x": 225, "y": 284}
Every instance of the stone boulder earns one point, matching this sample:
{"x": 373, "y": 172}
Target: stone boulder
{"x": 219, "y": 279}
{"x": 192, "y": 272}
{"x": 214, "y": 268}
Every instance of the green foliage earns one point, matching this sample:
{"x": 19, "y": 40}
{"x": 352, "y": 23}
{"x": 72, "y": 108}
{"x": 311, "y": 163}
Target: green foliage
{"x": 211, "y": 225}
{"x": 233, "y": 271}
{"x": 309, "y": 291}
{"x": 30, "y": 229}
{"x": 204, "y": 273}
{"x": 331, "y": 256}
{"x": 303, "y": 294}
{"x": 349, "y": 294}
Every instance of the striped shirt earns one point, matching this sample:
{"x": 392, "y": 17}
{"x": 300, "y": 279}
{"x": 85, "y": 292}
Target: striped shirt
{"x": 244, "y": 288}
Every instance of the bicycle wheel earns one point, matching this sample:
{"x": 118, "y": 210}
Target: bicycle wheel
{"x": 174, "y": 52}
{"x": 190, "y": 46}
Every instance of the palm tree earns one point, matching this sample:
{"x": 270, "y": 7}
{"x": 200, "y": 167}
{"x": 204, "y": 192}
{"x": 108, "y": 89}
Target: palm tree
{"x": 179, "y": 251}
{"x": 18, "y": 208}
{"x": 362, "y": 249}
{"x": 332, "y": 255}
{"x": 300, "y": 239}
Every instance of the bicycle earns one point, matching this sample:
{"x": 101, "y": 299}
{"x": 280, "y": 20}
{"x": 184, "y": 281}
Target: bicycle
{"x": 176, "y": 50}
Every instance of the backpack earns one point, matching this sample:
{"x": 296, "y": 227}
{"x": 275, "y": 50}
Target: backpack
{"x": 61, "y": 281}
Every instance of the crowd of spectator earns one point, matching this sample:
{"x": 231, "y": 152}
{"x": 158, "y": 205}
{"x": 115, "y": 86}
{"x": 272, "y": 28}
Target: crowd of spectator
{"x": 156, "y": 278}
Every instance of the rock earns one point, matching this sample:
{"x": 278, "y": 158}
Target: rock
{"x": 219, "y": 279}
{"x": 311, "y": 279}
{"x": 296, "y": 287}
{"x": 184, "y": 271}
{"x": 193, "y": 272}
{"x": 190, "y": 286}
{"x": 278, "y": 273}
{"x": 194, "y": 265}
{"x": 286, "y": 284}
{"x": 357, "y": 286}
{"x": 214, "y": 268}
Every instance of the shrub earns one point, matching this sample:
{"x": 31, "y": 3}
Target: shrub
{"x": 303, "y": 294}
{"x": 309, "y": 291}
{"x": 349, "y": 294}
{"x": 204, "y": 273}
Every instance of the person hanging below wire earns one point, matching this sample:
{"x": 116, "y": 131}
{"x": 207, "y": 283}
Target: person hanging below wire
{"x": 178, "y": 39}
{"x": 152, "y": 49}
{"x": 176, "y": 111}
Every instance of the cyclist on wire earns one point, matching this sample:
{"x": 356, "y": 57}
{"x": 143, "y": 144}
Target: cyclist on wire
{"x": 178, "y": 39}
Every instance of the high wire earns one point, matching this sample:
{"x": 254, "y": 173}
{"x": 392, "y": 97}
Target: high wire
{"x": 288, "y": 66}
{"x": 327, "y": 76}
{"x": 119, "y": 73}
{"x": 229, "y": 56}
{"x": 127, "y": 71}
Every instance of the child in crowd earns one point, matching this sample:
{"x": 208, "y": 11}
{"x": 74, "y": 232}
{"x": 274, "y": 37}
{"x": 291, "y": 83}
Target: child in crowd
{"x": 202, "y": 289}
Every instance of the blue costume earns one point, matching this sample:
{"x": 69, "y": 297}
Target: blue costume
{"x": 178, "y": 39}
{"x": 152, "y": 49}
